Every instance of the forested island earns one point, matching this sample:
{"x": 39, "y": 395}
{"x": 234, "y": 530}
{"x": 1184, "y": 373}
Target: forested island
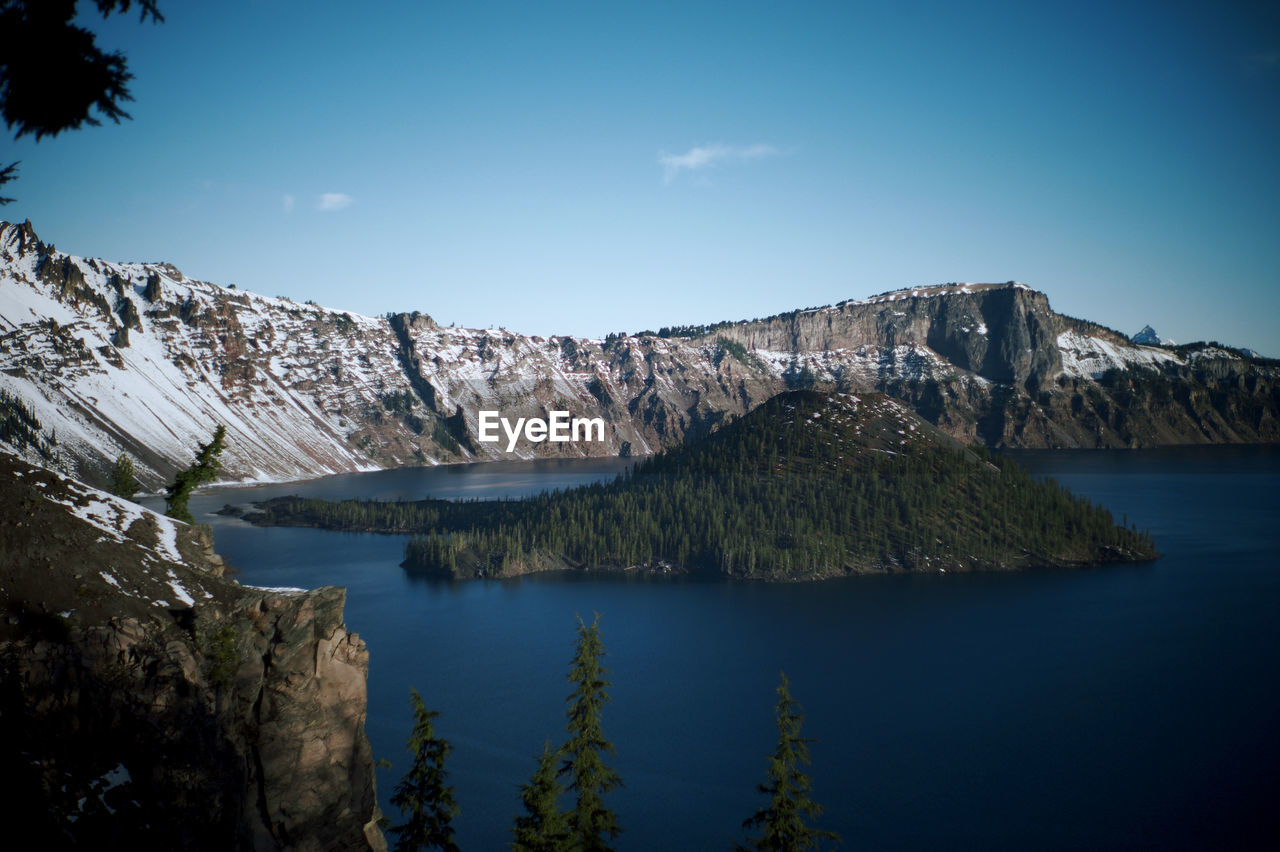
{"x": 810, "y": 485}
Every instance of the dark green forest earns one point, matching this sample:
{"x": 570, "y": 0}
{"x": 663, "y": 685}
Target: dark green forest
{"x": 809, "y": 485}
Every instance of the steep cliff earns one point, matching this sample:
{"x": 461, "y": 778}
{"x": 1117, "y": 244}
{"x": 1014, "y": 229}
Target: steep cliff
{"x": 148, "y": 701}
{"x": 99, "y": 358}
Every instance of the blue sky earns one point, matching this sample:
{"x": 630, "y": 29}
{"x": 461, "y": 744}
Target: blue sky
{"x": 595, "y": 167}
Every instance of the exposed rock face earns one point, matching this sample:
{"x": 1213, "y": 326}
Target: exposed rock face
{"x": 136, "y": 358}
{"x": 148, "y": 700}
{"x": 1147, "y": 337}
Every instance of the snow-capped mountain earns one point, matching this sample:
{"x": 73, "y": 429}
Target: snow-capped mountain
{"x": 100, "y": 358}
{"x": 1148, "y": 337}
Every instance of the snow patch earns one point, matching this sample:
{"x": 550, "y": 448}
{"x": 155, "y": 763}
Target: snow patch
{"x": 1085, "y": 356}
{"x": 176, "y": 585}
{"x": 283, "y": 590}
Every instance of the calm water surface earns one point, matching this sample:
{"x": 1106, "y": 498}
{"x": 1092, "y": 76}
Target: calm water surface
{"x": 1120, "y": 707}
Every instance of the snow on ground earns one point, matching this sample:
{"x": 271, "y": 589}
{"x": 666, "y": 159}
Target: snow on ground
{"x": 931, "y": 291}
{"x": 865, "y": 364}
{"x": 1084, "y": 356}
{"x": 178, "y": 589}
{"x": 1214, "y": 352}
{"x": 114, "y": 516}
{"x": 166, "y": 389}
{"x": 149, "y": 565}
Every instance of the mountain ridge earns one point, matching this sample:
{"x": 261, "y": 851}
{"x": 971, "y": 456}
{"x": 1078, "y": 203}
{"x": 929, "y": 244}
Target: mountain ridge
{"x": 101, "y": 358}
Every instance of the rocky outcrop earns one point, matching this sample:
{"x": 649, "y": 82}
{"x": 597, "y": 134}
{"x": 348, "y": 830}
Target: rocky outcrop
{"x": 147, "y": 700}
{"x": 137, "y": 358}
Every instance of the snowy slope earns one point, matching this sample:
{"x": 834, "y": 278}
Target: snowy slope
{"x": 196, "y": 356}
{"x": 135, "y": 551}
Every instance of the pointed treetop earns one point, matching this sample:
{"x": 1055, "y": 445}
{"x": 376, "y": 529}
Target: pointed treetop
{"x": 785, "y": 822}
{"x": 589, "y": 777}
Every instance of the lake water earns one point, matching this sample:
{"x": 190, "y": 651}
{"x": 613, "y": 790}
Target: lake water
{"x": 1131, "y": 706}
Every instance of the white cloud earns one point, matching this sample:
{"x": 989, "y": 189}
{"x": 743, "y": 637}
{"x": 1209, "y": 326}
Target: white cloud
{"x": 334, "y": 201}
{"x": 707, "y": 156}
{"x": 288, "y": 203}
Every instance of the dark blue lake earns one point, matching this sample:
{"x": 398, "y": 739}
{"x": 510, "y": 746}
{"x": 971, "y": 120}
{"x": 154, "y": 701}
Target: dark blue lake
{"x": 1133, "y": 706}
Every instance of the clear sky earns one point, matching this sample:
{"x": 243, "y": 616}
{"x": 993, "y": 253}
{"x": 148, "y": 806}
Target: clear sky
{"x": 593, "y": 167}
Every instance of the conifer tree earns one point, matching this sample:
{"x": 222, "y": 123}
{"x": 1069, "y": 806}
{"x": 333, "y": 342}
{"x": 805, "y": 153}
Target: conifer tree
{"x": 123, "y": 483}
{"x": 543, "y": 827}
{"x": 422, "y": 793}
{"x": 589, "y": 777}
{"x": 204, "y": 469}
{"x": 785, "y": 822}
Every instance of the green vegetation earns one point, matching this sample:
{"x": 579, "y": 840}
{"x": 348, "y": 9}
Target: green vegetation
{"x": 20, "y": 427}
{"x": 222, "y": 655}
{"x": 583, "y": 765}
{"x": 785, "y": 823}
{"x": 203, "y": 470}
{"x": 123, "y": 483}
{"x": 739, "y": 353}
{"x": 691, "y": 331}
{"x": 441, "y": 435}
{"x": 583, "y": 772}
{"x": 39, "y": 36}
{"x": 422, "y": 793}
{"x": 398, "y": 402}
{"x": 808, "y": 485}
{"x": 543, "y": 827}
{"x": 344, "y": 324}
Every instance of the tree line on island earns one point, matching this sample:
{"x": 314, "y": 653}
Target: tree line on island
{"x": 801, "y": 488}
{"x": 579, "y": 771}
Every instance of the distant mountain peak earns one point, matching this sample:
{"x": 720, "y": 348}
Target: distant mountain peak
{"x": 1149, "y": 337}
{"x": 19, "y": 237}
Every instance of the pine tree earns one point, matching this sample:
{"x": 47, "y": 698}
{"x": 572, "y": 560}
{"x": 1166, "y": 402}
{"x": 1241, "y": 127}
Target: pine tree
{"x": 54, "y": 73}
{"x": 422, "y": 793}
{"x": 589, "y": 777}
{"x": 784, "y": 822}
{"x": 123, "y": 483}
{"x": 543, "y": 827}
{"x": 204, "y": 469}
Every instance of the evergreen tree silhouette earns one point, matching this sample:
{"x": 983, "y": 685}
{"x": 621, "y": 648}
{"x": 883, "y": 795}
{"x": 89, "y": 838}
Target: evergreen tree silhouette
{"x": 203, "y": 470}
{"x": 422, "y": 793}
{"x": 589, "y": 777}
{"x": 543, "y": 827}
{"x": 785, "y": 823}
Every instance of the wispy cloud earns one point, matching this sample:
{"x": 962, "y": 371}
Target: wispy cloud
{"x": 708, "y": 156}
{"x": 334, "y": 201}
{"x": 288, "y": 203}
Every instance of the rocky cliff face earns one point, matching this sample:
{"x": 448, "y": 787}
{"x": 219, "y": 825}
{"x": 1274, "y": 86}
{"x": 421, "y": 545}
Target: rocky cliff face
{"x": 147, "y": 700}
{"x": 99, "y": 358}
